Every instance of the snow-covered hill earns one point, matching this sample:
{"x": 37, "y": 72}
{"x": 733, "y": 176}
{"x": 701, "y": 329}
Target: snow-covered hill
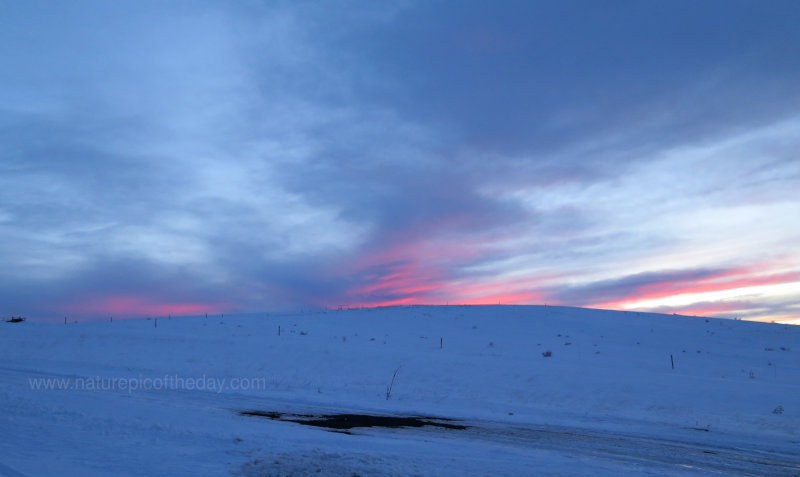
{"x": 547, "y": 390}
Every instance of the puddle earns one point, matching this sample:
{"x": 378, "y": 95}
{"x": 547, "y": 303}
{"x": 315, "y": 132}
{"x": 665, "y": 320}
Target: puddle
{"x": 344, "y": 422}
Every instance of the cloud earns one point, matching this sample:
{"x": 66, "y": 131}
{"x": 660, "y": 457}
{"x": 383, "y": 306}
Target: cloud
{"x": 291, "y": 154}
{"x": 757, "y": 291}
{"x": 535, "y": 77}
{"x": 619, "y": 289}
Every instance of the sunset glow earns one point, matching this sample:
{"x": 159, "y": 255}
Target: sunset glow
{"x": 137, "y": 307}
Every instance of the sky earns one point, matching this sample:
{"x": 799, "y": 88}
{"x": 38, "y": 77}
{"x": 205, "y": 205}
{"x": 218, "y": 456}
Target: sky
{"x": 190, "y": 157}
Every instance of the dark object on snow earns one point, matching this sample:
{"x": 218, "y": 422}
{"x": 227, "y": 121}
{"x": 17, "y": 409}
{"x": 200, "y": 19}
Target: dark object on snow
{"x": 547, "y": 354}
{"x": 16, "y": 319}
{"x": 350, "y": 421}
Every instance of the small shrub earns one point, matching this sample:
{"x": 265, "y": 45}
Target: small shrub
{"x": 547, "y": 354}
{"x": 778, "y": 410}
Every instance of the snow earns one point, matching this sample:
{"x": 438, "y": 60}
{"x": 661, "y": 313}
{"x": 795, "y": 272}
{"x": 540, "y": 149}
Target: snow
{"x": 143, "y": 397}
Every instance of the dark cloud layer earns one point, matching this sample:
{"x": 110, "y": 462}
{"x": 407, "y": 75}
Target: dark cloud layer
{"x": 608, "y": 291}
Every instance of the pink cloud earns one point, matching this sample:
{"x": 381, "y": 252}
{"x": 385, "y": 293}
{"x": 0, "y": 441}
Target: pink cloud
{"x": 731, "y": 279}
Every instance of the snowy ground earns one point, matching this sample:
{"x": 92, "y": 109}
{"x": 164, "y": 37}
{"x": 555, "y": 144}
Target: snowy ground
{"x": 142, "y": 397}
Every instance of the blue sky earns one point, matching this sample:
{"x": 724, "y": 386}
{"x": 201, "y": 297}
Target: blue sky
{"x": 184, "y": 157}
